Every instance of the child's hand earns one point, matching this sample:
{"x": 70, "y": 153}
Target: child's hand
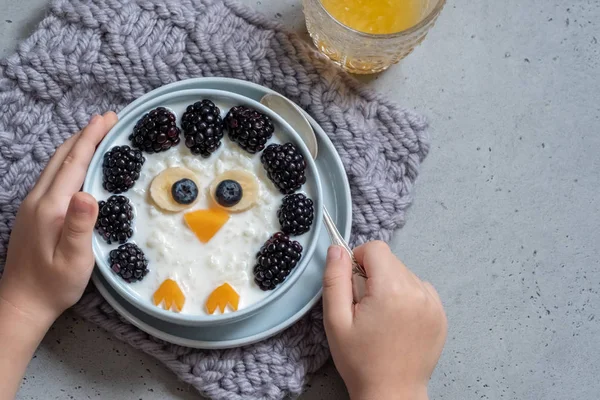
{"x": 386, "y": 346}
{"x": 50, "y": 258}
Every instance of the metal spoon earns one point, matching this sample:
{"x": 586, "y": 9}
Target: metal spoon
{"x": 295, "y": 116}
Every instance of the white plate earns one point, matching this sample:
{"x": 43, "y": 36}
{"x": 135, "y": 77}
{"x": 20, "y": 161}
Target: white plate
{"x": 296, "y": 302}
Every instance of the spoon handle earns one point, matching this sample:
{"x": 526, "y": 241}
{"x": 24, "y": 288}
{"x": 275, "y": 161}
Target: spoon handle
{"x": 359, "y": 274}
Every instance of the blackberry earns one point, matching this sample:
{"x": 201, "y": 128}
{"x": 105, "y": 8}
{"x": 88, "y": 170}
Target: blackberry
{"x": 156, "y": 131}
{"x": 285, "y": 166}
{"x": 114, "y": 219}
{"x": 202, "y": 127}
{"x": 129, "y": 262}
{"x": 121, "y": 168}
{"x": 296, "y": 214}
{"x": 249, "y": 128}
{"x": 275, "y": 260}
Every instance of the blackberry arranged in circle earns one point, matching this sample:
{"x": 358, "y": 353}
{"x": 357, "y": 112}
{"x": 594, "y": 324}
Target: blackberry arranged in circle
{"x": 296, "y": 214}
{"x": 121, "y": 168}
{"x": 249, "y": 128}
{"x": 129, "y": 262}
{"x": 114, "y": 219}
{"x": 276, "y": 260}
{"x": 202, "y": 127}
{"x": 285, "y": 166}
{"x": 156, "y": 131}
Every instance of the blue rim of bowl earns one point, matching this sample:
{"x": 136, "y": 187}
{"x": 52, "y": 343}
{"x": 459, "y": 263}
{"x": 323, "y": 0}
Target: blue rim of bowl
{"x": 191, "y": 319}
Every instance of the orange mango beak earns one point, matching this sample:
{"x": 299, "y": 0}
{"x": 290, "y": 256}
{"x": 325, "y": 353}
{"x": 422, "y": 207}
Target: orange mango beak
{"x": 206, "y": 223}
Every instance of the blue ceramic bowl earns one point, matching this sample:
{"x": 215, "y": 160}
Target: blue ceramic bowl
{"x": 177, "y": 102}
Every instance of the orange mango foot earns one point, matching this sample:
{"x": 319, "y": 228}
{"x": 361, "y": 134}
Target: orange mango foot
{"x": 206, "y": 223}
{"x": 222, "y": 296}
{"x": 169, "y": 293}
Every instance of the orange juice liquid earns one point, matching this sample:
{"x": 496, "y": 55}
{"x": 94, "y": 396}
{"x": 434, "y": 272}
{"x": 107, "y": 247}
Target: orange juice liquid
{"x": 376, "y": 16}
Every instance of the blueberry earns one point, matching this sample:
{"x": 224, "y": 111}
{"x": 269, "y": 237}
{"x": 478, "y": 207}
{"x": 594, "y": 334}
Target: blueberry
{"x": 228, "y": 193}
{"x": 184, "y": 191}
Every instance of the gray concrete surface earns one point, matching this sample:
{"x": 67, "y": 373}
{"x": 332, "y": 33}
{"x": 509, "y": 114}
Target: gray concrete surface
{"x": 505, "y": 221}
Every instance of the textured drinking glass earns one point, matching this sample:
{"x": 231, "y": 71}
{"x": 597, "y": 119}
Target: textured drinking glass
{"x": 366, "y": 53}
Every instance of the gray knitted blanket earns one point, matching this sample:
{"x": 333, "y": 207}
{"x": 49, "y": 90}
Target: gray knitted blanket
{"x": 90, "y": 56}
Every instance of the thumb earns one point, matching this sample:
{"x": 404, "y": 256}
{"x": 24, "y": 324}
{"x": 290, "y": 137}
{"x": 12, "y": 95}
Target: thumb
{"x": 337, "y": 290}
{"x": 76, "y": 238}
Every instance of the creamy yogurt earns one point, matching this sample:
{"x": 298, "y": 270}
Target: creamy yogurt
{"x": 172, "y": 248}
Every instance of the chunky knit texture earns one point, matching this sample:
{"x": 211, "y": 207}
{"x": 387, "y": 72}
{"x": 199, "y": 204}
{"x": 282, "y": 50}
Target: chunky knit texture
{"x": 90, "y": 56}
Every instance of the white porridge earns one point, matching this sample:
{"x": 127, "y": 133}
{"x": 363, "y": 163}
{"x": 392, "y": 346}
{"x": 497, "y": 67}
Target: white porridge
{"x": 184, "y": 232}
{"x": 173, "y": 250}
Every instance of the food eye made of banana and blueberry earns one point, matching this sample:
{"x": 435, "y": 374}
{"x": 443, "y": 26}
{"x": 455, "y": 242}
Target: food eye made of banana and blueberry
{"x": 231, "y": 192}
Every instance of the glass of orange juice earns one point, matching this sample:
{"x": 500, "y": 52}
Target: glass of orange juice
{"x": 367, "y": 36}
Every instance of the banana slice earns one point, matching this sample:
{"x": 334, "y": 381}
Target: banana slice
{"x": 247, "y": 181}
{"x": 160, "y": 189}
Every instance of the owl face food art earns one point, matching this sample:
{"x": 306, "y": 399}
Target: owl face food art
{"x": 203, "y": 212}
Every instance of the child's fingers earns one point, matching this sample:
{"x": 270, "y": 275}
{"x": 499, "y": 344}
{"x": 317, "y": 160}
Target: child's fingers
{"x": 377, "y": 259}
{"x": 71, "y": 174}
{"x": 76, "y": 237}
{"x": 110, "y": 119}
{"x": 383, "y": 268}
{"x": 48, "y": 174}
{"x": 337, "y": 290}
{"x": 433, "y": 293}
